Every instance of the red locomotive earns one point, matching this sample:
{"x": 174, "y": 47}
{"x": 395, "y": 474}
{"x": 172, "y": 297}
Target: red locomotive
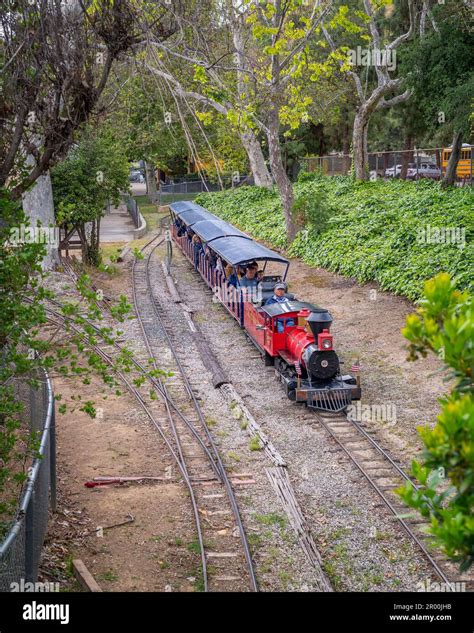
{"x": 293, "y": 335}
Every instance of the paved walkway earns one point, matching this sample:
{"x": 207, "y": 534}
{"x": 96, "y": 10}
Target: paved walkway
{"x": 117, "y": 226}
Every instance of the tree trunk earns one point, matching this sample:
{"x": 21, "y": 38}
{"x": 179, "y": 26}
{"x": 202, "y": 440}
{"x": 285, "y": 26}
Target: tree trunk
{"x": 407, "y": 155}
{"x": 346, "y": 147}
{"x": 359, "y": 146}
{"x": 283, "y": 183}
{"x": 90, "y": 245}
{"x": 261, "y": 175}
{"x": 150, "y": 182}
{"x": 450, "y": 175}
{"x": 81, "y": 231}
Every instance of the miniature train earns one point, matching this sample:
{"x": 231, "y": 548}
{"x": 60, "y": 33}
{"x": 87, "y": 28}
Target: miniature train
{"x": 293, "y": 336}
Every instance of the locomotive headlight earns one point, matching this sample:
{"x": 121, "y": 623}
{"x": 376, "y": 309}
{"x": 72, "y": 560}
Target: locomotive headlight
{"x": 325, "y": 341}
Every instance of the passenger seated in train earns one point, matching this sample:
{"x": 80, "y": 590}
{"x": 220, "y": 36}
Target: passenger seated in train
{"x": 279, "y": 294}
{"x": 249, "y": 280}
{"x": 230, "y": 276}
{"x": 180, "y": 227}
{"x": 251, "y": 285}
{"x": 198, "y": 249}
{"x": 210, "y": 256}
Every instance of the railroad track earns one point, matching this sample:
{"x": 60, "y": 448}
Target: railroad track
{"x": 384, "y": 475}
{"x": 188, "y": 440}
{"x": 221, "y": 534}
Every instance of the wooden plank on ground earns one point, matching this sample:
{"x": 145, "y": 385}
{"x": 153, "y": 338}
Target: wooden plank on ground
{"x": 84, "y": 577}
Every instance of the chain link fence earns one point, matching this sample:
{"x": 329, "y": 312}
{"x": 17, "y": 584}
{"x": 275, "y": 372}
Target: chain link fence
{"x": 20, "y": 550}
{"x": 413, "y": 164}
{"x": 133, "y": 210}
{"x": 187, "y": 190}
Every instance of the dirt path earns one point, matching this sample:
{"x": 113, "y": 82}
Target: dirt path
{"x": 154, "y": 551}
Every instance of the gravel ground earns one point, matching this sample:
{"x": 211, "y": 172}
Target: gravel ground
{"x": 281, "y": 564}
{"x": 361, "y": 546}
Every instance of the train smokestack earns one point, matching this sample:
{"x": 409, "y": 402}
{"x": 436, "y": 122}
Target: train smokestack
{"x": 319, "y": 320}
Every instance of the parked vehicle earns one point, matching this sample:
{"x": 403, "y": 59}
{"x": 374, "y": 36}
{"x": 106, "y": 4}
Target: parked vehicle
{"x": 425, "y": 170}
{"x": 465, "y": 168}
{"x": 136, "y": 176}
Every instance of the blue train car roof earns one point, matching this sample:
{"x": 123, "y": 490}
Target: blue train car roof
{"x": 230, "y": 243}
{"x": 190, "y": 212}
{"x": 238, "y": 250}
{"x": 210, "y": 230}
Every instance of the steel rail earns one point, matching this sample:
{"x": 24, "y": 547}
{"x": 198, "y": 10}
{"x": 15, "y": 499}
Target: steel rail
{"x": 381, "y": 494}
{"x": 165, "y": 396}
{"x": 228, "y": 486}
{"x": 178, "y": 457}
{"x": 197, "y": 519}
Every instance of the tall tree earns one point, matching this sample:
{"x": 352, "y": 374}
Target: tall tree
{"x": 438, "y": 70}
{"x": 56, "y": 58}
{"x": 250, "y": 78}
{"x": 379, "y": 55}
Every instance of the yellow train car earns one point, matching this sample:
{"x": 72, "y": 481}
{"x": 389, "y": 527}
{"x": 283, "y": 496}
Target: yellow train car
{"x": 465, "y": 168}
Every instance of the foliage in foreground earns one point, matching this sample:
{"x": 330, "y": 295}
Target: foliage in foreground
{"x": 444, "y": 324}
{"x": 28, "y": 344}
{"x": 383, "y": 231}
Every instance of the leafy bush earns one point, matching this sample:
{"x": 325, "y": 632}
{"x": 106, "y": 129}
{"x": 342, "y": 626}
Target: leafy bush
{"x": 313, "y": 211}
{"x": 445, "y": 325}
{"x": 373, "y": 231}
{"x": 27, "y": 346}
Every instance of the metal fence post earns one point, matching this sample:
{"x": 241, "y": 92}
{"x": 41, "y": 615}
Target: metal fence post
{"x": 30, "y": 575}
{"x": 52, "y": 459}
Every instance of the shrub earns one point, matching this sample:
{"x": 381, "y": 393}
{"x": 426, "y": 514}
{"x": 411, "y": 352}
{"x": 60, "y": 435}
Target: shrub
{"x": 372, "y": 231}
{"x": 444, "y": 324}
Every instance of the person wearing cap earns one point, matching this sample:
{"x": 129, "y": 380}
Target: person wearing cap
{"x": 279, "y": 294}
